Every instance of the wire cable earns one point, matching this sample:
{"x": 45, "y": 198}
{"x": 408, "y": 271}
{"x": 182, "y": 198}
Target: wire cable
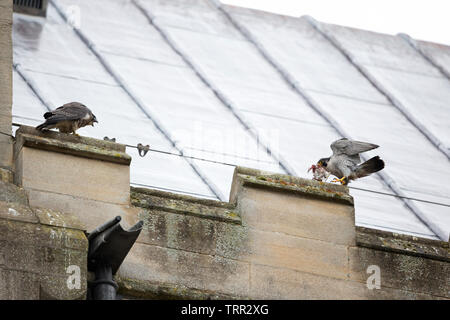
{"x": 355, "y": 188}
{"x": 236, "y": 165}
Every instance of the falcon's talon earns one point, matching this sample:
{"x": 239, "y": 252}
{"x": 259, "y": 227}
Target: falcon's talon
{"x": 343, "y": 180}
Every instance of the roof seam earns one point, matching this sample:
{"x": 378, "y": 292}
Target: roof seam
{"x": 205, "y": 33}
{"x": 122, "y": 55}
{"x": 222, "y": 98}
{"x": 413, "y": 43}
{"x": 137, "y": 101}
{"x": 315, "y": 106}
{"x": 377, "y": 85}
{"x": 348, "y": 97}
{"x": 72, "y": 77}
{"x": 412, "y": 72}
{"x": 32, "y": 85}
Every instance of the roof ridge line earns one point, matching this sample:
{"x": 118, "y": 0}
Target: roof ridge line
{"x": 387, "y": 180}
{"x": 413, "y": 43}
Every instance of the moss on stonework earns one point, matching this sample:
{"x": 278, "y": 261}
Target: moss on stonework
{"x": 70, "y": 138}
{"x": 388, "y": 241}
{"x": 12, "y": 193}
{"x": 59, "y": 219}
{"x": 88, "y": 148}
{"x": 174, "y": 203}
{"x": 141, "y": 193}
{"x": 6, "y": 175}
{"x": 325, "y": 191}
{"x": 168, "y": 291}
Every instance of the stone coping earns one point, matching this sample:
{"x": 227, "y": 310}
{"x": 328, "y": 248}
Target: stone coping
{"x": 71, "y": 144}
{"x": 285, "y": 183}
{"x": 182, "y": 204}
{"x": 227, "y": 211}
{"x": 141, "y": 289}
{"x": 401, "y": 243}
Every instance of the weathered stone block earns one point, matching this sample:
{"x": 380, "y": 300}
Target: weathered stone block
{"x": 6, "y": 151}
{"x": 142, "y": 289}
{"x": 90, "y": 213}
{"x": 55, "y": 287}
{"x": 280, "y": 283}
{"x": 12, "y": 194}
{"x": 402, "y": 271}
{"x": 58, "y": 219}
{"x": 39, "y": 256}
{"x": 6, "y": 175}
{"x": 181, "y": 268}
{"x": 17, "y": 211}
{"x": 178, "y": 231}
{"x": 406, "y": 244}
{"x": 298, "y": 216}
{"x": 20, "y": 256}
{"x": 233, "y": 241}
{"x": 182, "y": 204}
{"x": 5, "y": 122}
{"x": 308, "y": 255}
{"x": 18, "y": 285}
{"x": 6, "y": 60}
{"x": 75, "y": 176}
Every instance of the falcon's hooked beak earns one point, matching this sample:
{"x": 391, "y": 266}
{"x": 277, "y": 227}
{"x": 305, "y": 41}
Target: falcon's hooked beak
{"x": 323, "y": 162}
{"x": 94, "y": 120}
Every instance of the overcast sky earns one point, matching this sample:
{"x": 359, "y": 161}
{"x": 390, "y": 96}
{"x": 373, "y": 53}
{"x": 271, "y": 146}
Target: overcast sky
{"x": 421, "y": 19}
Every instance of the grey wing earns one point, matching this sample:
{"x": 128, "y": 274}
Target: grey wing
{"x": 68, "y": 112}
{"x": 349, "y": 147}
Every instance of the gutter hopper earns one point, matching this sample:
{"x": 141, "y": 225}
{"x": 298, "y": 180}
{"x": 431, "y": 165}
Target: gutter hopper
{"x": 109, "y": 244}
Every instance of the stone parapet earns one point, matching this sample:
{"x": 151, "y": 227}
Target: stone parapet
{"x": 40, "y": 250}
{"x": 86, "y": 177}
{"x": 401, "y": 243}
{"x": 289, "y": 184}
{"x": 279, "y": 237}
{"x": 71, "y": 145}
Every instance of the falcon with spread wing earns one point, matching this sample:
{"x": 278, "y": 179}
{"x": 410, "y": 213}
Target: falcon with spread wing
{"x": 68, "y": 118}
{"x": 345, "y": 163}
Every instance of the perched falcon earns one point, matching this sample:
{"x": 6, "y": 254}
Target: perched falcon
{"x": 345, "y": 162}
{"x": 68, "y": 118}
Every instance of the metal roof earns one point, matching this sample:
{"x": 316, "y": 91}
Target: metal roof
{"x": 250, "y": 88}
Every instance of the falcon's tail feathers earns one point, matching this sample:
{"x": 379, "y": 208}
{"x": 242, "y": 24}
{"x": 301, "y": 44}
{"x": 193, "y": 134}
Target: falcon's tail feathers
{"x": 372, "y": 165}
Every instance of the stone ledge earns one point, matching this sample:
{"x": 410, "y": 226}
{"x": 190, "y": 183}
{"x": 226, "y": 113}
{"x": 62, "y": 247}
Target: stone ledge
{"x": 11, "y": 193}
{"x": 286, "y": 183}
{"x": 142, "y": 289}
{"x": 70, "y": 144}
{"x": 181, "y": 204}
{"x": 55, "y": 218}
{"x": 400, "y": 243}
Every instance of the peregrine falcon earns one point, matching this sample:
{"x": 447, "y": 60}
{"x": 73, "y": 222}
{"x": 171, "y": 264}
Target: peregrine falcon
{"x": 345, "y": 161}
{"x": 68, "y": 118}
